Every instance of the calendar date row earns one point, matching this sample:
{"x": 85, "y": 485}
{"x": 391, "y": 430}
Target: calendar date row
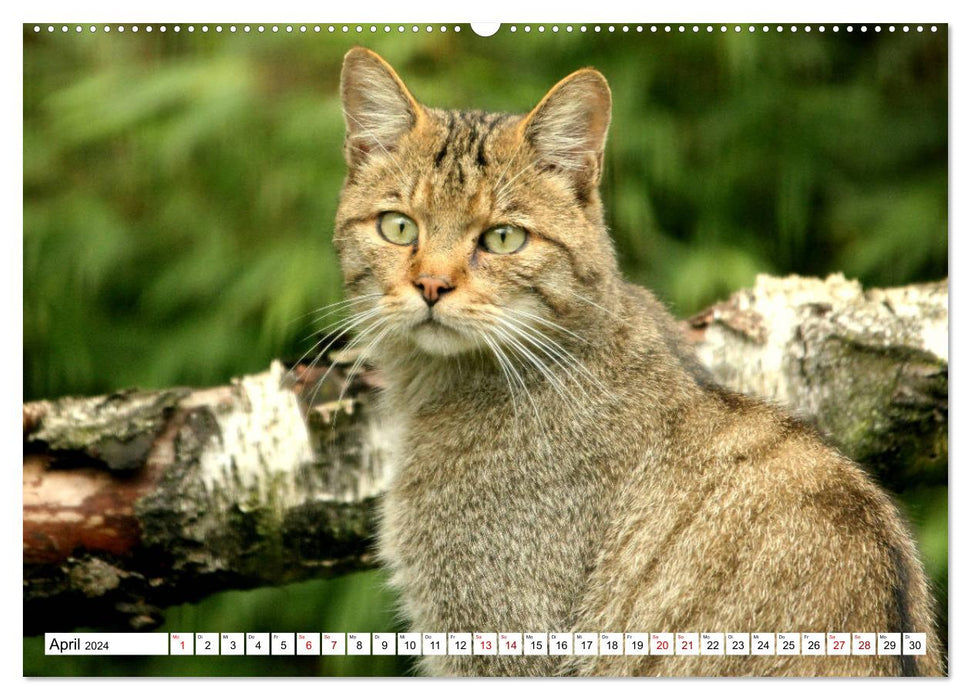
{"x": 487, "y": 643}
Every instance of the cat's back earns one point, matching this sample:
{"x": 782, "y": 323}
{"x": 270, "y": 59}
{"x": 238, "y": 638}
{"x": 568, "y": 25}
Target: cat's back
{"x": 751, "y": 523}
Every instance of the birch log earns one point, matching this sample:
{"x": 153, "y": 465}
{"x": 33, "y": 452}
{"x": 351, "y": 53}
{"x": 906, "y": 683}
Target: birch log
{"x": 139, "y": 500}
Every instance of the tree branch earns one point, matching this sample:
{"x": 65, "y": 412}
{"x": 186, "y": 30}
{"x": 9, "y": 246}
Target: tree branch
{"x": 139, "y": 500}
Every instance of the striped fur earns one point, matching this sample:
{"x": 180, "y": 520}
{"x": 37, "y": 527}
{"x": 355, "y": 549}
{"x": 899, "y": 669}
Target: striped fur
{"x": 562, "y": 463}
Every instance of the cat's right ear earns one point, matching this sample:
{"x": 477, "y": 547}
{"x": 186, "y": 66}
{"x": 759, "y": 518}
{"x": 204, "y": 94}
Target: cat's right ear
{"x": 568, "y": 128}
{"x": 378, "y": 109}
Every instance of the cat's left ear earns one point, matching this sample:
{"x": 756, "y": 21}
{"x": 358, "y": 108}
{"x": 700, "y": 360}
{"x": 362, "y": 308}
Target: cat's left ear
{"x": 378, "y": 109}
{"x": 568, "y": 128}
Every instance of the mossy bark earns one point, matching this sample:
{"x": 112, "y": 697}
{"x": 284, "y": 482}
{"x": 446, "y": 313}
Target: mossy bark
{"x": 869, "y": 369}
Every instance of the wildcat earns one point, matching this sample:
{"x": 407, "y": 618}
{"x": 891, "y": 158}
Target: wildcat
{"x": 562, "y": 463}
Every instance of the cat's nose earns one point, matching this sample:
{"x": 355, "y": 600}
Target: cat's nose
{"x": 432, "y": 287}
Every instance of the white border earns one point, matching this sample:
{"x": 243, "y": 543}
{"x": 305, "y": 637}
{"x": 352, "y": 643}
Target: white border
{"x": 602, "y": 11}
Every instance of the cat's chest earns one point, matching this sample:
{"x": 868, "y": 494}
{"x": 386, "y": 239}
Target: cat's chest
{"x": 484, "y": 508}
{"x": 458, "y": 471}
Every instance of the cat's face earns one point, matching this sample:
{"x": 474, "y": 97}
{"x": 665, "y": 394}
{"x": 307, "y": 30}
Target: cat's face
{"x": 467, "y": 231}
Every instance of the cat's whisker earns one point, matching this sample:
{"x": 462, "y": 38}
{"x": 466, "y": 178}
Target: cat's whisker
{"x": 546, "y": 322}
{"x": 343, "y": 302}
{"x": 334, "y": 324}
{"x": 361, "y": 358}
{"x": 323, "y": 352}
{"x": 525, "y": 389}
{"x": 558, "y": 386}
{"x": 550, "y": 344}
{"x": 551, "y": 348}
{"x": 573, "y": 403}
{"x": 360, "y": 316}
{"x": 502, "y": 360}
{"x": 598, "y": 306}
{"x": 329, "y": 309}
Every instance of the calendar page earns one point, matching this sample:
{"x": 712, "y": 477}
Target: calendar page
{"x": 203, "y": 201}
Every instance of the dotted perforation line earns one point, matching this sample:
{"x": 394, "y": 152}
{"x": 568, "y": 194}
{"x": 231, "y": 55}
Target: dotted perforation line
{"x": 710, "y": 28}
{"x": 428, "y": 28}
{"x": 250, "y": 28}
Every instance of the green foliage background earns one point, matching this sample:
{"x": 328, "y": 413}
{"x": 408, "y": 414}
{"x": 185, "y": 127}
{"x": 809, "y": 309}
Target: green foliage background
{"x": 180, "y": 189}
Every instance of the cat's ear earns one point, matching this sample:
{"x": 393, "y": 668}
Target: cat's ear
{"x": 568, "y": 128}
{"x": 378, "y": 109}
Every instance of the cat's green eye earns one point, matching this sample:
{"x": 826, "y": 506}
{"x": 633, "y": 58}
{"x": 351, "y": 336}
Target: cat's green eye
{"x": 397, "y": 228}
{"x": 503, "y": 239}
